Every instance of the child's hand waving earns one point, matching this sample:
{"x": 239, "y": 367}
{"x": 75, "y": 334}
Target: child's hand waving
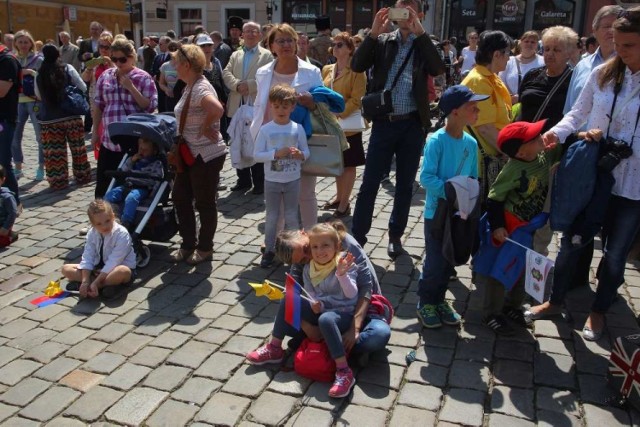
{"x": 344, "y": 264}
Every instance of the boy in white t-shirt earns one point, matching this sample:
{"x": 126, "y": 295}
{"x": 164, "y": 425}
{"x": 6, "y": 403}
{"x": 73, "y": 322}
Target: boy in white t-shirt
{"x": 282, "y": 146}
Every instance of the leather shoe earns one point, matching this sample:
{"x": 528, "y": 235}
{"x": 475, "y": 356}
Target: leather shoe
{"x": 257, "y": 190}
{"x": 240, "y": 187}
{"x": 395, "y": 248}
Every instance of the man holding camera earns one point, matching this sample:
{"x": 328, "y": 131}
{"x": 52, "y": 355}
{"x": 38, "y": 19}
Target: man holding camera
{"x": 402, "y": 60}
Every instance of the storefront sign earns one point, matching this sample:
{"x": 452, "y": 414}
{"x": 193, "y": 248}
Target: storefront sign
{"x": 547, "y": 13}
{"x": 301, "y": 11}
{"x": 70, "y": 13}
{"x": 509, "y": 12}
{"x": 469, "y": 12}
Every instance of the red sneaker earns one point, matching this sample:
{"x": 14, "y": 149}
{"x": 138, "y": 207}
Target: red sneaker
{"x": 266, "y": 354}
{"x": 343, "y": 383}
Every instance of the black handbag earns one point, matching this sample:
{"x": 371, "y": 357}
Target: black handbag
{"x": 74, "y": 100}
{"x": 379, "y": 103}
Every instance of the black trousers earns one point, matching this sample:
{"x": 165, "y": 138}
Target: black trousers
{"x": 107, "y": 161}
{"x": 253, "y": 174}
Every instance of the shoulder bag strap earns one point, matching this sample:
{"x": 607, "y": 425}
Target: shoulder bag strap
{"x": 404, "y": 64}
{"x": 552, "y": 92}
{"x": 519, "y": 71}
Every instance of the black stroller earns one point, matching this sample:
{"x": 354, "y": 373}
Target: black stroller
{"x": 155, "y": 217}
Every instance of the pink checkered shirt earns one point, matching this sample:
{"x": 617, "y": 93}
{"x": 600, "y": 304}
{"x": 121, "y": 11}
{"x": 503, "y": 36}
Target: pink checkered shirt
{"x": 117, "y": 103}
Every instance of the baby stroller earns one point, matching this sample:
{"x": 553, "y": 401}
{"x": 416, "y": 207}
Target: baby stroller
{"x": 155, "y": 218}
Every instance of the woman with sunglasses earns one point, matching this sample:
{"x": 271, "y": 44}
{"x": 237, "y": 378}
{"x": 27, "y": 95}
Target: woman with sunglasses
{"x": 352, "y": 87}
{"x": 120, "y": 91}
{"x": 287, "y": 68}
{"x": 198, "y": 184}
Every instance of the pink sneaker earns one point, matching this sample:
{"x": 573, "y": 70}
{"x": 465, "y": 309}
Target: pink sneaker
{"x": 343, "y": 383}
{"x": 266, "y": 354}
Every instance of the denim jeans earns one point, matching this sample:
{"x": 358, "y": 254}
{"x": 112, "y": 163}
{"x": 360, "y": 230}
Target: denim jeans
{"x": 436, "y": 270}
{"x": 26, "y": 110}
{"x": 6, "y": 137}
{"x": 131, "y": 201}
{"x": 405, "y": 139}
{"x": 620, "y": 227}
{"x": 374, "y": 336}
{"x": 280, "y": 196}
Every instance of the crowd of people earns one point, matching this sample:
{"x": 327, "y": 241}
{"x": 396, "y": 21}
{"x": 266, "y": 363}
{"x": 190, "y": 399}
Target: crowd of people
{"x": 516, "y": 109}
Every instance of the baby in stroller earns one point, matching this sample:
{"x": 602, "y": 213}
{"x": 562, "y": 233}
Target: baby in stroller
{"x": 143, "y": 180}
{"x": 137, "y": 188}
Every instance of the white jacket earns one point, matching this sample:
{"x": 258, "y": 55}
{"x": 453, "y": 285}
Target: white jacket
{"x": 307, "y": 77}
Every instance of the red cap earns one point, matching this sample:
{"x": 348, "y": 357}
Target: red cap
{"x": 512, "y": 136}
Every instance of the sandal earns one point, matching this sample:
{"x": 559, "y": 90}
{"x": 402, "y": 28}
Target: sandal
{"x": 331, "y": 205}
{"x": 181, "y": 255}
{"x": 199, "y": 257}
{"x": 342, "y": 214}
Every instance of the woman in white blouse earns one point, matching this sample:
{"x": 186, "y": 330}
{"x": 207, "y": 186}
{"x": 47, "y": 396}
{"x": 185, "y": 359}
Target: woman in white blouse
{"x": 622, "y": 220}
{"x": 468, "y": 56}
{"x": 519, "y": 65}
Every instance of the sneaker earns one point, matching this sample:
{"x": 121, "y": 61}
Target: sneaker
{"x": 428, "y": 315}
{"x": 517, "y": 317}
{"x": 266, "y": 354}
{"x": 499, "y": 325}
{"x": 40, "y": 174}
{"x": 343, "y": 383}
{"x": 448, "y": 315}
{"x": 267, "y": 259}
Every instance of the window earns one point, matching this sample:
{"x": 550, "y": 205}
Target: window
{"x": 189, "y": 20}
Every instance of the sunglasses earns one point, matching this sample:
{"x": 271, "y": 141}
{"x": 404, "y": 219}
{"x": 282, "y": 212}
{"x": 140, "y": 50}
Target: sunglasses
{"x": 184, "y": 54}
{"x": 283, "y": 42}
{"x": 104, "y": 46}
{"x": 121, "y": 59}
{"x": 338, "y": 45}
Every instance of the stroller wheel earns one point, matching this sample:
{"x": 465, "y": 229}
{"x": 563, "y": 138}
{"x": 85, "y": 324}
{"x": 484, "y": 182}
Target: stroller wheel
{"x": 143, "y": 256}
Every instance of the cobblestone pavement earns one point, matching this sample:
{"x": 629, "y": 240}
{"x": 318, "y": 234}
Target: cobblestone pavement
{"x": 172, "y": 352}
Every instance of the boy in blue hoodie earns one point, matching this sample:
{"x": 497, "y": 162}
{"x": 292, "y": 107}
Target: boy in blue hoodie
{"x": 8, "y": 212}
{"x": 449, "y": 152}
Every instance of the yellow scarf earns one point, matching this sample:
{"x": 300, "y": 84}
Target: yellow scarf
{"x": 319, "y": 272}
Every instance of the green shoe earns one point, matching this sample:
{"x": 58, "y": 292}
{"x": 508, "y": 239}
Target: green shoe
{"x": 428, "y": 315}
{"x": 447, "y": 314}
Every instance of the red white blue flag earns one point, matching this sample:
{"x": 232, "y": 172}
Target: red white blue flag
{"x": 292, "y": 301}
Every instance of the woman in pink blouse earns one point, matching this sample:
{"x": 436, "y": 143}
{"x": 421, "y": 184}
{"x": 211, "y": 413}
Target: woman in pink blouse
{"x": 120, "y": 91}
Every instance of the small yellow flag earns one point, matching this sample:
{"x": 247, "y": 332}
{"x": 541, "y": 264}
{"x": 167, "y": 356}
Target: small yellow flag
{"x": 53, "y": 288}
{"x": 266, "y": 289}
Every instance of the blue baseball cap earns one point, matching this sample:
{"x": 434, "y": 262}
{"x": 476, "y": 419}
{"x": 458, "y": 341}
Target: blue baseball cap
{"x": 456, "y": 96}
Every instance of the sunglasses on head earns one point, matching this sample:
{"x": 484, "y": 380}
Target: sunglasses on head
{"x": 184, "y": 54}
{"x": 338, "y": 45}
{"x": 121, "y": 59}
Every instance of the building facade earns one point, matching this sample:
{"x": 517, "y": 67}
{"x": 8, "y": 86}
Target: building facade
{"x": 45, "y": 19}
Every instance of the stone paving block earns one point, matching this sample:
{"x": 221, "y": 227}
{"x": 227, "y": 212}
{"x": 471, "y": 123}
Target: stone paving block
{"x": 81, "y": 380}
{"x": 17, "y": 282}
{"x": 601, "y": 416}
{"x": 7, "y": 354}
{"x": 192, "y": 354}
{"x": 24, "y": 392}
{"x": 17, "y": 328}
{"x": 426, "y": 373}
{"x": 166, "y": 377}
{"x": 104, "y": 363}
{"x": 499, "y": 420}
{"x": 129, "y": 344}
{"x": 442, "y": 337}
{"x": 360, "y": 415}
{"x": 513, "y": 401}
{"x": 45, "y": 353}
{"x": 554, "y": 370}
{"x": 463, "y": 406}
{"x": 513, "y": 373}
{"x": 472, "y": 375}
{"x": 420, "y": 396}
{"x": 514, "y": 350}
{"x": 554, "y": 345}
{"x": 112, "y": 332}
{"x": 14, "y": 296}
{"x": 93, "y": 403}
{"x": 248, "y": 381}
{"x": 172, "y": 413}
{"x": 31, "y": 339}
{"x": 594, "y": 389}
{"x": 310, "y": 416}
{"x": 63, "y": 320}
{"x": 13, "y": 372}
{"x": 171, "y": 339}
{"x": 73, "y": 335}
{"x": 6, "y": 411}
{"x": 288, "y": 382}
{"x": 557, "y": 328}
{"x": 404, "y": 339}
{"x": 591, "y": 363}
{"x": 57, "y": 369}
{"x": 475, "y": 350}
{"x": 126, "y": 376}
{"x": 563, "y": 401}
{"x": 51, "y": 403}
{"x": 259, "y": 327}
{"x": 231, "y": 323}
{"x": 427, "y": 353}
{"x": 86, "y": 350}
{"x": 190, "y": 325}
{"x": 155, "y": 325}
{"x": 65, "y": 422}
{"x": 412, "y": 417}
{"x": 382, "y": 374}
{"x": 271, "y": 408}
{"x": 210, "y": 310}
{"x": 241, "y": 345}
{"x": 136, "y": 406}
{"x": 136, "y": 316}
{"x": 22, "y": 422}
{"x": 219, "y": 366}
{"x": 7, "y": 314}
{"x": 196, "y": 390}
{"x": 557, "y": 419}
{"x": 374, "y": 396}
{"x": 214, "y": 336}
{"x": 234, "y": 407}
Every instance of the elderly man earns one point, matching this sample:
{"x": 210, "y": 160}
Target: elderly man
{"x": 303, "y": 50}
{"x": 89, "y": 47}
{"x": 69, "y": 51}
{"x": 240, "y": 78}
{"x": 8, "y": 41}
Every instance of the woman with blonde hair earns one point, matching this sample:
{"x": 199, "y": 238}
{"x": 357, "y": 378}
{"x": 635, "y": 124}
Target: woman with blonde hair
{"x": 519, "y": 65}
{"x": 352, "y": 87}
{"x": 120, "y": 91}
{"x": 198, "y": 113}
{"x": 28, "y": 107}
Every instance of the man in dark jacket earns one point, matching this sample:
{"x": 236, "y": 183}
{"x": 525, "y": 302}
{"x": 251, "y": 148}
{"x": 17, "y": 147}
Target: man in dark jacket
{"x": 9, "y": 72}
{"x": 404, "y": 130}
{"x": 88, "y": 49}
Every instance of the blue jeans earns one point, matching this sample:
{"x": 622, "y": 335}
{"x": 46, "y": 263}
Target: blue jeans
{"x": 374, "y": 336}
{"x": 131, "y": 201}
{"x": 405, "y": 139}
{"x": 6, "y": 137}
{"x": 436, "y": 270}
{"x": 279, "y": 196}
{"x": 26, "y": 110}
